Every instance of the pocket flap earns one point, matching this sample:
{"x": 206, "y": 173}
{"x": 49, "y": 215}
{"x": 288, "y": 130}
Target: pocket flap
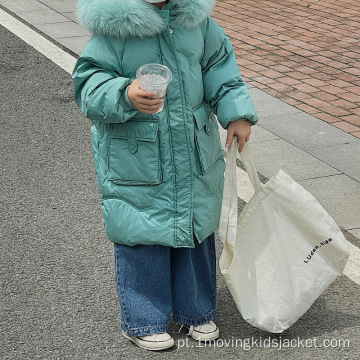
{"x": 134, "y": 153}
{"x": 136, "y": 130}
{"x": 201, "y": 117}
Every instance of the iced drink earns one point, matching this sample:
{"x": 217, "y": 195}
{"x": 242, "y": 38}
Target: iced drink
{"x": 154, "y": 78}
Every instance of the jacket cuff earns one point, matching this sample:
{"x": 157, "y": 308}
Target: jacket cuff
{"x": 125, "y": 101}
{"x": 252, "y": 119}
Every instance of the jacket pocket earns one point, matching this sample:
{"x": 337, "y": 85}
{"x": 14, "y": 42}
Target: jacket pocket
{"x": 207, "y": 138}
{"x": 134, "y": 154}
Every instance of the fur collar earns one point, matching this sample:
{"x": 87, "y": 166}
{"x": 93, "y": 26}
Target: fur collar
{"x": 137, "y": 18}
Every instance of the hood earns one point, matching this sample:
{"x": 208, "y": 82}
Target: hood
{"x": 137, "y": 18}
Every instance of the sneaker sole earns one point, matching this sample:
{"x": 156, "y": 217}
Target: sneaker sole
{"x": 206, "y": 337}
{"x": 164, "y": 344}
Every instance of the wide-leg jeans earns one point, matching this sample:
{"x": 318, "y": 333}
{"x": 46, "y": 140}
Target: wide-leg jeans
{"x": 154, "y": 282}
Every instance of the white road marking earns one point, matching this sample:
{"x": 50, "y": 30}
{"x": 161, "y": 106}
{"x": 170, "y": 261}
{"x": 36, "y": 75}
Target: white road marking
{"x": 38, "y": 42}
{"x": 352, "y": 268}
{"x": 67, "y": 62}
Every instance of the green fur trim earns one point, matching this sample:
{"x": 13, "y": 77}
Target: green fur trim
{"x": 193, "y": 12}
{"x": 137, "y": 18}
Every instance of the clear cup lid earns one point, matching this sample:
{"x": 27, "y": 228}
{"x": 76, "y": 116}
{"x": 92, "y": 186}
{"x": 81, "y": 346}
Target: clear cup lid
{"x": 157, "y": 74}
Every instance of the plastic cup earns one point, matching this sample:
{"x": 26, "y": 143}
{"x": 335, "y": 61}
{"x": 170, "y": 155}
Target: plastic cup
{"x": 154, "y": 78}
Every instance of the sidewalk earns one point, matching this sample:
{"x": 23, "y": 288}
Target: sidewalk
{"x": 301, "y": 62}
{"x": 304, "y": 53}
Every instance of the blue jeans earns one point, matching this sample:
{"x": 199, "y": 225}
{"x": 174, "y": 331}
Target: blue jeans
{"x": 152, "y": 281}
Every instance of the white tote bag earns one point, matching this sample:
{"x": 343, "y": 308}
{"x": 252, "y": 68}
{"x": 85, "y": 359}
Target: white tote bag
{"x": 283, "y": 250}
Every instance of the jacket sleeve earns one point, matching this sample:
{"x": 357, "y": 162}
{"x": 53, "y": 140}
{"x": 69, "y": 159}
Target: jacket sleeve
{"x": 224, "y": 90}
{"x": 100, "y": 90}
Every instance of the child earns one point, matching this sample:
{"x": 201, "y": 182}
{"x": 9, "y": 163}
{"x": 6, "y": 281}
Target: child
{"x": 160, "y": 175}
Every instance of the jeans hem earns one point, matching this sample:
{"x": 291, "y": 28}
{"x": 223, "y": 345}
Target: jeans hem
{"x": 199, "y": 321}
{"x": 143, "y": 331}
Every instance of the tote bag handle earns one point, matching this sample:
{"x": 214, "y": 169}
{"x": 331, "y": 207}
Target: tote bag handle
{"x": 230, "y": 170}
{"x": 250, "y": 167}
{"x": 229, "y": 215}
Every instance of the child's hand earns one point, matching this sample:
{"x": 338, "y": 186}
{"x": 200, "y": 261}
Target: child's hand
{"x": 142, "y": 100}
{"x": 241, "y": 129}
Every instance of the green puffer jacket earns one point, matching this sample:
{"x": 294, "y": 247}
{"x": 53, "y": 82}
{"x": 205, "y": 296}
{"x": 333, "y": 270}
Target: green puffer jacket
{"x": 160, "y": 176}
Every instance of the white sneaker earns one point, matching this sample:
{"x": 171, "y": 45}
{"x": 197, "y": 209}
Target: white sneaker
{"x": 152, "y": 342}
{"x": 208, "y": 331}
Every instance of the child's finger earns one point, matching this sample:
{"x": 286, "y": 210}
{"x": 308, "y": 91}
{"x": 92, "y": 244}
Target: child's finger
{"x": 150, "y": 102}
{"x": 149, "y": 108}
{"x": 241, "y": 141}
{"x": 146, "y": 94}
{"x": 229, "y": 138}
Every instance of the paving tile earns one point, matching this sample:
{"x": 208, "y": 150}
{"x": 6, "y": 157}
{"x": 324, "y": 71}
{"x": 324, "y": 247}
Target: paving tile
{"x": 306, "y": 131}
{"x": 320, "y": 104}
{"x": 340, "y": 83}
{"x": 259, "y": 134}
{"x": 315, "y": 82}
{"x": 352, "y": 119}
{"x": 266, "y": 62}
{"x": 322, "y": 76}
{"x": 280, "y": 68}
{"x": 355, "y": 232}
{"x": 288, "y": 80}
{"x": 75, "y": 44}
{"x": 347, "y": 77}
{"x": 271, "y": 73}
{"x": 343, "y": 156}
{"x": 308, "y": 109}
{"x": 256, "y": 67}
{"x": 350, "y": 96}
{"x": 61, "y": 6}
{"x": 352, "y": 71}
{"x": 343, "y": 104}
{"x": 356, "y": 111}
{"x": 326, "y": 97}
{"x": 21, "y": 6}
{"x": 327, "y": 117}
{"x": 249, "y": 73}
{"x": 40, "y": 17}
{"x": 280, "y": 87}
{"x": 315, "y": 47}
{"x": 272, "y": 155}
{"x": 71, "y": 16}
{"x": 352, "y": 54}
{"x": 336, "y": 110}
{"x": 265, "y": 104}
{"x": 337, "y": 192}
{"x": 292, "y": 101}
{"x": 63, "y": 30}
{"x": 298, "y": 95}
{"x": 332, "y": 89}
{"x": 297, "y": 75}
{"x": 343, "y": 125}
{"x": 353, "y": 89}
{"x": 264, "y": 80}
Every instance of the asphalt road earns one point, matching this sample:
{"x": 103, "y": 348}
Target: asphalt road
{"x": 58, "y": 298}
